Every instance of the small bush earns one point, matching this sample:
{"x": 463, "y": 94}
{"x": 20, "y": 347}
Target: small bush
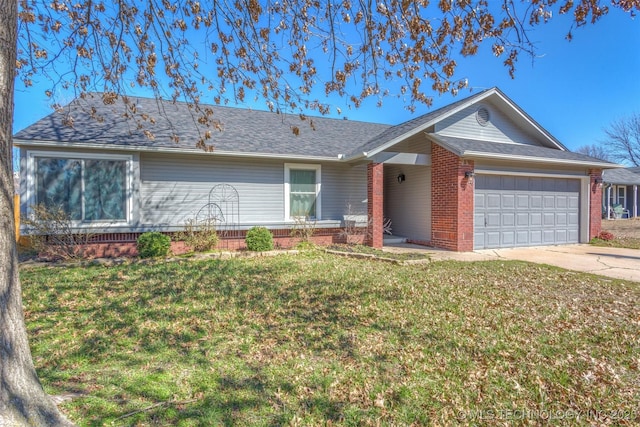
{"x": 153, "y": 244}
{"x": 52, "y": 234}
{"x": 259, "y": 239}
{"x": 606, "y": 236}
{"x": 303, "y": 228}
{"x": 199, "y": 236}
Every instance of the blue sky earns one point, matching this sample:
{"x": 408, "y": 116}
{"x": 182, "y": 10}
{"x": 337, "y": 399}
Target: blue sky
{"x": 573, "y": 89}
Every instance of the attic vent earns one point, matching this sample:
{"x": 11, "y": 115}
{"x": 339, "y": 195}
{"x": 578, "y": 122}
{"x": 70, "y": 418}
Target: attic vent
{"x": 482, "y": 116}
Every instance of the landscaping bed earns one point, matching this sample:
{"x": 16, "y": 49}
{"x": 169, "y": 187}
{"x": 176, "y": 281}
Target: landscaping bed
{"x": 317, "y": 339}
{"x": 625, "y": 233}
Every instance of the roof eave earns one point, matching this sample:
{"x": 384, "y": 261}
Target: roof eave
{"x": 534, "y": 159}
{"x": 177, "y": 150}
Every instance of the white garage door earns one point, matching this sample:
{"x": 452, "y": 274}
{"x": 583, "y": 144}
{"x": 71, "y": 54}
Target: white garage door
{"x": 525, "y": 211}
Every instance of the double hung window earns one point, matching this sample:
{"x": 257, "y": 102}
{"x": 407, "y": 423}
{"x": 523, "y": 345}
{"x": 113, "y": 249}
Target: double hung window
{"x": 302, "y": 188}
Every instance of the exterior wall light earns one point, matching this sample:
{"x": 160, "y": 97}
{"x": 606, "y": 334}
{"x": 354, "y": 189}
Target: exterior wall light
{"x": 469, "y": 175}
{"x": 401, "y": 178}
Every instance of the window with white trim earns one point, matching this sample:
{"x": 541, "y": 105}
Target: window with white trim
{"x": 622, "y": 195}
{"x": 87, "y": 189}
{"x": 302, "y": 191}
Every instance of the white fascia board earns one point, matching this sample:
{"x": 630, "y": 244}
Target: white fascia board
{"x": 144, "y": 149}
{"x": 530, "y": 159}
{"x": 530, "y": 120}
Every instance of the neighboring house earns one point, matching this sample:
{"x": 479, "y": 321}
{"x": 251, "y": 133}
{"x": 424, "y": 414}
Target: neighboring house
{"x": 478, "y": 173}
{"x": 621, "y": 189}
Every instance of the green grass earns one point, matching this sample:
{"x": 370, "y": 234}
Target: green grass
{"x": 318, "y": 339}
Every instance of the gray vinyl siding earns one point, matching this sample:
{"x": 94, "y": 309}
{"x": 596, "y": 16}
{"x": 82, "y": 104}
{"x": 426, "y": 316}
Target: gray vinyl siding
{"x": 175, "y": 188}
{"x": 415, "y": 144}
{"x": 408, "y": 204}
{"x": 344, "y": 188}
{"x": 500, "y": 128}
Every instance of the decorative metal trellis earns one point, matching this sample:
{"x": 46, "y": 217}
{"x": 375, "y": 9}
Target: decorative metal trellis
{"x": 223, "y": 208}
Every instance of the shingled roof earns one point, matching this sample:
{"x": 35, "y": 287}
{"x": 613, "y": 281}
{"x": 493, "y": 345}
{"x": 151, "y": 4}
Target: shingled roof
{"x": 264, "y": 133}
{"x": 626, "y": 176}
{"x": 474, "y": 148}
{"x": 242, "y": 130}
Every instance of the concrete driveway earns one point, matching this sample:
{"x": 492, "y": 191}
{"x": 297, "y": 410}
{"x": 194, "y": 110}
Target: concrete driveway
{"x": 611, "y": 262}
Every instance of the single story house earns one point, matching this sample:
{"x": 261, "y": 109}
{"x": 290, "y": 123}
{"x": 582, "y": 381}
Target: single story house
{"x": 621, "y": 192}
{"x": 478, "y": 173}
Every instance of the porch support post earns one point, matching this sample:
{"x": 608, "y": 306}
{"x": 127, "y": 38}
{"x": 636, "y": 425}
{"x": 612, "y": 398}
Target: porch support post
{"x": 452, "y": 194}
{"x": 635, "y": 201}
{"x": 595, "y": 208}
{"x": 375, "y": 198}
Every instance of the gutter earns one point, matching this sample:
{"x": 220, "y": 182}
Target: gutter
{"x": 186, "y": 151}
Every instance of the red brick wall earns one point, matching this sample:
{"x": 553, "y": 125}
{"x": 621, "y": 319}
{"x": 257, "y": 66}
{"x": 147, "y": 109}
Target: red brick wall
{"x": 595, "y": 205}
{"x": 451, "y": 201}
{"x": 124, "y": 244}
{"x": 375, "y": 195}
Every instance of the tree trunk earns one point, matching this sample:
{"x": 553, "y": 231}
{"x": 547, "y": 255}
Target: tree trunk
{"x": 23, "y": 401}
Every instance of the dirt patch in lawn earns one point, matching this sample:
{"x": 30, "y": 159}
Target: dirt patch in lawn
{"x": 628, "y": 228}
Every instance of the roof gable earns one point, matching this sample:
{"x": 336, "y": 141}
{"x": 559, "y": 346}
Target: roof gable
{"x": 438, "y": 119}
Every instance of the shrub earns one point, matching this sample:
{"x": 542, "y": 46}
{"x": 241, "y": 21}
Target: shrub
{"x": 199, "y": 236}
{"x": 605, "y": 235}
{"x": 52, "y": 234}
{"x": 259, "y": 239}
{"x": 303, "y": 228}
{"x": 153, "y": 244}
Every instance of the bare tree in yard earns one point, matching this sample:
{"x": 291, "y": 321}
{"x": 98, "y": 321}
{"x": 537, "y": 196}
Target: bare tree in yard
{"x": 594, "y": 150}
{"x": 283, "y": 52}
{"x": 623, "y": 140}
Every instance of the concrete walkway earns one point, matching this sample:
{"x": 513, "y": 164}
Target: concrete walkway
{"x": 611, "y": 262}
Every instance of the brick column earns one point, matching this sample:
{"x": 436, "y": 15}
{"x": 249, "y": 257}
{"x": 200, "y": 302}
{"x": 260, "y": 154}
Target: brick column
{"x": 375, "y": 194}
{"x": 595, "y": 203}
{"x": 451, "y": 201}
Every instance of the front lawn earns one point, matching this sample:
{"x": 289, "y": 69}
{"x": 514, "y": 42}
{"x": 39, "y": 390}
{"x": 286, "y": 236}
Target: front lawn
{"x": 318, "y": 339}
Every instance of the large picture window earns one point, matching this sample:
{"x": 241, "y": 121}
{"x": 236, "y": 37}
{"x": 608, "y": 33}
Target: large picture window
{"x": 86, "y": 189}
{"x": 302, "y": 187}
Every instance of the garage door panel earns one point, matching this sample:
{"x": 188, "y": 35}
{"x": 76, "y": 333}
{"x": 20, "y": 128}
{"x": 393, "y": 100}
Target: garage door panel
{"x": 522, "y": 219}
{"x": 522, "y": 201}
{"x": 536, "y": 219}
{"x": 535, "y": 237}
{"x": 525, "y": 211}
{"x": 508, "y": 220}
{"x": 508, "y": 238}
{"x": 573, "y": 219}
{"x": 548, "y": 219}
{"x": 561, "y": 202}
{"x": 508, "y": 201}
{"x": 573, "y": 235}
{"x": 561, "y": 219}
{"x": 535, "y": 202}
{"x": 548, "y": 202}
{"x": 573, "y": 202}
{"x": 522, "y": 237}
{"x": 493, "y": 201}
{"x": 492, "y": 239}
{"x": 492, "y": 219}
{"x": 548, "y": 236}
